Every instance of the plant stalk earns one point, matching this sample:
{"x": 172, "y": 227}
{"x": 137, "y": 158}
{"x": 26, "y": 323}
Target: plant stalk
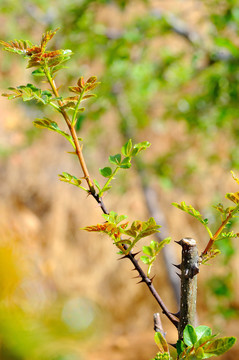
{"x": 73, "y": 133}
{"x": 130, "y": 255}
{"x": 189, "y": 270}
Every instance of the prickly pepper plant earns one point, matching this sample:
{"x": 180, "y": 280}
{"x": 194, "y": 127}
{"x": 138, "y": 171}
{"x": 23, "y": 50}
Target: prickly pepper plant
{"x": 193, "y": 342}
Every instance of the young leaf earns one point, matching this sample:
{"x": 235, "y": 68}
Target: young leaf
{"x": 91, "y": 80}
{"x": 210, "y": 255}
{"x": 97, "y": 185}
{"x": 38, "y": 72}
{"x": 125, "y": 164}
{"x": 189, "y": 335}
{"x": 115, "y": 159}
{"x": 159, "y": 245}
{"x": 161, "y": 342}
{"x": 20, "y": 47}
{"x": 234, "y": 197}
{"x": 148, "y": 250}
{"x": 47, "y": 36}
{"x": 126, "y": 149}
{"x": 218, "y": 346}
{"x": 202, "y": 331}
{"x": 52, "y": 125}
{"x": 106, "y": 172}
{"x": 71, "y": 179}
{"x": 139, "y": 147}
{"x": 145, "y": 259}
{"x": 234, "y": 177}
{"x": 180, "y": 347}
{"x": 199, "y": 354}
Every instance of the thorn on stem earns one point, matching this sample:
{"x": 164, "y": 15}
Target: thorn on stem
{"x": 152, "y": 278}
{"x": 123, "y": 257}
{"x": 134, "y": 254}
{"x": 179, "y": 266}
{"x": 179, "y": 275}
{"x": 180, "y": 242}
{"x": 141, "y": 281}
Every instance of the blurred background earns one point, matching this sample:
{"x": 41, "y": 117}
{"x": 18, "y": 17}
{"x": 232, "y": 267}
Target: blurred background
{"x": 169, "y": 73}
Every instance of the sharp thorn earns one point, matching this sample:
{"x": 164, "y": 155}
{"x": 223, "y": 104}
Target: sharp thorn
{"x": 173, "y": 345}
{"x": 133, "y": 269}
{"x": 123, "y": 257}
{"x": 134, "y": 254}
{"x": 152, "y": 278}
{"x": 179, "y": 275}
{"x": 136, "y": 277}
{"x": 141, "y": 281}
{"x": 180, "y": 242}
{"x": 177, "y": 266}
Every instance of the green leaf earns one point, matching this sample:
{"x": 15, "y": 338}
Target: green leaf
{"x": 126, "y": 149}
{"x": 114, "y": 218}
{"x": 195, "y": 213}
{"x": 202, "y": 331}
{"x": 115, "y": 159}
{"x": 180, "y": 347}
{"x": 199, "y": 353}
{"x": 189, "y": 335}
{"x": 145, "y": 259}
{"x": 148, "y": 250}
{"x": 38, "y": 72}
{"x": 52, "y": 125}
{"x": 71, "y": 179}
{"x": 218, "y": 346}
{"x": 125, "y": 164}
{"x": 161, "y": 244}
{"x": 97, "y": 185}
{"x": 139, "y": 147}
{"x": 161, "y": 342}
{"x": 106, "y": 172}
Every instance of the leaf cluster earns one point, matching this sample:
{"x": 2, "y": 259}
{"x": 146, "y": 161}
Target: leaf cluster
{"x": 30, "y": 92}
{"x": 152, "y": 251}
{"x": 37, "y": 55}
{"x": 120, "y": 161}
{"x": 200, "y": 343}
{"x": 136, "y": 231}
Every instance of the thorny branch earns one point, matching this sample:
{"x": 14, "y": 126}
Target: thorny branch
{"x": 144, "y": 278}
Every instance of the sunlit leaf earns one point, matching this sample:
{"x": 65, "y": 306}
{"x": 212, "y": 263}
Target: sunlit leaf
{"x": 189, "y": 335}
{"x": 52, "y": 125}
{"x": 126, "y": 149}
{"x": 106, "y": 172}
{"x": 161, "y": 342}
{"x": 115, "y": 159}
{"x": 218, "y": 346}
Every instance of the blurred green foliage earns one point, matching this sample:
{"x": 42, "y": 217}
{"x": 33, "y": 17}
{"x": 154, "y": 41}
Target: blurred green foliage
{"x": 152, "y": 67}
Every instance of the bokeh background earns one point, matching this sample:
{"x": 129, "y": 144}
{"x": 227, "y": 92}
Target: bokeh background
{"x": 169, "y": 73}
